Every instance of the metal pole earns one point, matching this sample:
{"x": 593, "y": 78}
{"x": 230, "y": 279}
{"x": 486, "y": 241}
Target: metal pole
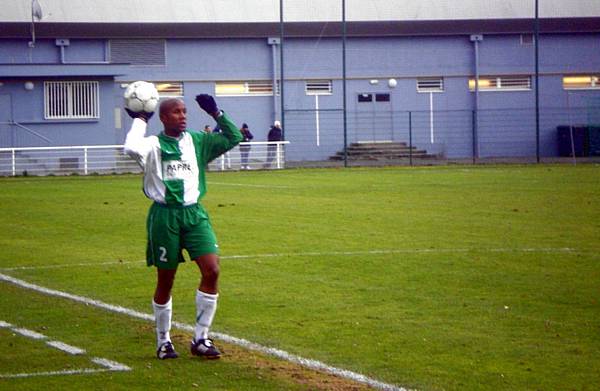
{"x": 281, "y": 69}
{"x": 410, "y": 148}
{"x": 476, "y": 38}
{"x": 473, "y": 126}
{"x": 476, "y": 122}
{"x": 274, "y": 80}
{"x": 537, "y": 82}
{"x": 344, "y": 82}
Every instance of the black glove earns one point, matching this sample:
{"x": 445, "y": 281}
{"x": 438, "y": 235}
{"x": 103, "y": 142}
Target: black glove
{"x": 142, "y": 114}
{"x": 208, "y": 104}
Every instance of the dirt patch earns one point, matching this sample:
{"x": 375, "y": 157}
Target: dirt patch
{"x": 272, "y": 367}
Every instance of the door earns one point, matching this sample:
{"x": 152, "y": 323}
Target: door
{"x": 373, "y": 121}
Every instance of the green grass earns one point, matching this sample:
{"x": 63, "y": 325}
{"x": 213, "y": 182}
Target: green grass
{"x": 430, "y": 278}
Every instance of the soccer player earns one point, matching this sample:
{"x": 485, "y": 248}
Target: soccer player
{"x": 173, "y": 163}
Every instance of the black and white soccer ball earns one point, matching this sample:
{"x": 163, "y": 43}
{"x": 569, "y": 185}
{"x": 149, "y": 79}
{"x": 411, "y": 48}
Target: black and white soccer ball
{"x": 141, "y": 96}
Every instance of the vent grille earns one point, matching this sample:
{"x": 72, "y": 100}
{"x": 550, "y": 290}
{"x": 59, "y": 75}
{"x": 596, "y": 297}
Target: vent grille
{"x": 138, "y": 51}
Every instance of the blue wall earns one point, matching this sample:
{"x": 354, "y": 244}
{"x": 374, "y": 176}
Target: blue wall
{"x": 506, "y": 120}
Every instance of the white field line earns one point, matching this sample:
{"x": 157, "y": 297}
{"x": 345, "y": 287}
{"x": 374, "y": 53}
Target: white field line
{"x": 28, "y": 333}
{"x": 110, "y": 365}
{"x": 54, "y": 373}
{"x": 251, "y": 185}
{"x": 65, "y": 347}
{"x": 550, "y": 250}
{"x": 107, "y": 364}
{"x": 309, "y": 363}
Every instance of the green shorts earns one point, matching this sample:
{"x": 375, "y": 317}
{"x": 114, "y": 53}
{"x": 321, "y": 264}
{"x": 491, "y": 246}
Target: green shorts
{"x": 173, "y": 229}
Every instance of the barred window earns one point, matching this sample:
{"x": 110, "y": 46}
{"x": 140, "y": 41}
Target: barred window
{"x": 234, "y": 88}
{"x": 430, "y": 84}
{"x": 71, "y": 99}
{"x": 581, "y": 82}
{"x": 318, "y": 87}
{"x": 502, "y": 83}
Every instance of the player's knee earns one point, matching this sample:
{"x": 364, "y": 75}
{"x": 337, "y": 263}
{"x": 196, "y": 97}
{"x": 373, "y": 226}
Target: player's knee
{"x": 211, "y": 272}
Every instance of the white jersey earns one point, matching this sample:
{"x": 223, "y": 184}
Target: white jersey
{"x": 174, "y": 167}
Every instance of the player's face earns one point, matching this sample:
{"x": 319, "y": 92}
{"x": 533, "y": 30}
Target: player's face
{"x": 174, "y": 119}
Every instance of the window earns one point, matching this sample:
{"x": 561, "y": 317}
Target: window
{"x": 71, "y": 99}
{"x": 382, "y": 97}
{"x": 138, "y": 51}
{"x": 166, "y": 89}
{"x": 233, "y": 88}
{"x": 169, "y": 89}
{"x": 318, "y": 87}
{"x": 581, "y": 82}
{"x": 365, "y": 98}
{"x": 502, "y": 83}
{"x": 430, "y": 84}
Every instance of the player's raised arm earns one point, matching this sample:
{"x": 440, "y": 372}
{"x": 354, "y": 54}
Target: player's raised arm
{"x": 218, "y": 143}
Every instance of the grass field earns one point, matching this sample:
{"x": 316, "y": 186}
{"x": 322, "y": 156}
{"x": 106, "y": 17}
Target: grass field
{"x": 430, "y": 278}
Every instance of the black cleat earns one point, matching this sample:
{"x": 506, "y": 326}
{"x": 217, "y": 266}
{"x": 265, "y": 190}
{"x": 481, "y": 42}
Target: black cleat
{"x": 205, "y": 348}
{"x": 166, "y": 350}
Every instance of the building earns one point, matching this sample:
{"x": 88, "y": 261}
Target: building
{"x": 411, "y": 69}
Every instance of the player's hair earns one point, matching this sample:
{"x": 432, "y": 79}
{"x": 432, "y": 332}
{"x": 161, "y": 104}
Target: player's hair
{"x": 166, "y": 105}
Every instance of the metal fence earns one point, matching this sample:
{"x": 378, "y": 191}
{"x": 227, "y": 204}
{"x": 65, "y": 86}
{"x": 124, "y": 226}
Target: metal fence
{"x": 438, "y": 136}
{"x": 110, "y": 159}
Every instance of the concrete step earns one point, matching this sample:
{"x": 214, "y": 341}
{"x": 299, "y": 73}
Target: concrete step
{"x": 381, "y": 151}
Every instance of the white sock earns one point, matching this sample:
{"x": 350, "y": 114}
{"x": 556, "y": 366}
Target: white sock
{"x": 162, "y": 316}
{"x": 206, "y": 306}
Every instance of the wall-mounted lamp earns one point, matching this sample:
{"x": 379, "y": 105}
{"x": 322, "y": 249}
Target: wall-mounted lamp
{"x": 29, "y": 85}
{"x": 36, "y": 15}
{"x": 373, "y": 82}
{"x": 392, "y": 83}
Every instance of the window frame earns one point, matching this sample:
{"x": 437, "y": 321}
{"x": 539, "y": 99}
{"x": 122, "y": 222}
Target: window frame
{"x": 421, "y": 89}
{"x": 594, "y": 82}
{"x": 497, "y": 83}
{"x": 308, "y": 90}
{"x": 248, "y": 88}
{"x": 69, "y": 91}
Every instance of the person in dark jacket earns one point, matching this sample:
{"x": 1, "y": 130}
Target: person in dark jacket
{"x": 245, "y": 148}
{"x": 275, "y": 134}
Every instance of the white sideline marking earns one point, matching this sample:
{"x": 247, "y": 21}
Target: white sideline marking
{"x": 323, "y": 253}
{"x": 54, "y": 373}
{"x": 250, "y": 185}
{"x": 313, "y": 364}
{"x": 110, "y": 365}
{"x": 65, "y": 347}
{"x": 107, "y": 364}
{"x": 28, "y": 333}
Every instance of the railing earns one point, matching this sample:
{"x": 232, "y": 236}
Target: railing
{"x": 109, "y": 159}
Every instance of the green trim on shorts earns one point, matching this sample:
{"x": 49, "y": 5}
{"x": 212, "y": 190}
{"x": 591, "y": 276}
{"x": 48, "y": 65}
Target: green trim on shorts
{"x": 171, "y": 230}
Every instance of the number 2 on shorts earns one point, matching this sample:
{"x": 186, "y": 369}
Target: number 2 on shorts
{"x": 163, "y": 254}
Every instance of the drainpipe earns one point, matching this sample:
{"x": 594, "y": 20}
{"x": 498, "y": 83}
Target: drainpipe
{"x": 273, "y": 42}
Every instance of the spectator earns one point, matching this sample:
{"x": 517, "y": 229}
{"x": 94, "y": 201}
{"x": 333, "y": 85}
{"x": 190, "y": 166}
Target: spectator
{"x": 275, "y": 134}
{"x": 245, "y": 149}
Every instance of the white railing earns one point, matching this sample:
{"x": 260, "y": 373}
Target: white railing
{"x": 108, "y": 159}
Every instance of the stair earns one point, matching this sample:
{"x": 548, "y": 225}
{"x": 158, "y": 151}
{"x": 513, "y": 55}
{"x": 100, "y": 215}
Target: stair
{"x": 381, "y": 151}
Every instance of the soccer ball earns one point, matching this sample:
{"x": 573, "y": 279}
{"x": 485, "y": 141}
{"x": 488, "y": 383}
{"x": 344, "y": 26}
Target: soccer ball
{"x": 141, "y": 96}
